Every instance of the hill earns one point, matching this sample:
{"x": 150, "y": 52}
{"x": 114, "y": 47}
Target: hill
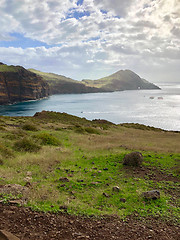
{"x": 62, "y": 85}
{"x": 18, "y": 84}
{"x": 121, "y": 80}
{"x": 73, "y": 168}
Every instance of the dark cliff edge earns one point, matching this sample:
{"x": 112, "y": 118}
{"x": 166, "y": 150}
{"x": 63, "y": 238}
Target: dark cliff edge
{"x": 18, "y": 84}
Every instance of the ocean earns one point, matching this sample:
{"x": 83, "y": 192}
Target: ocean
{"x": 157, "y": 108}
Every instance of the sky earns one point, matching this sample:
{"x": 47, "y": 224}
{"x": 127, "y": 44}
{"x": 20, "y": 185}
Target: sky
{"x": 89, "y": 39}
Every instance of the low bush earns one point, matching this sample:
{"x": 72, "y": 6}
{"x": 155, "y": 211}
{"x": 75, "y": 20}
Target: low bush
{"x": 29, "y": 127}
{"x": 26, "y": 145}
{"x": 48, "y": 139}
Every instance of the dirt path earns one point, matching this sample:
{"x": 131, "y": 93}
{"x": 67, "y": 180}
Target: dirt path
{"x": 29, "y": 225}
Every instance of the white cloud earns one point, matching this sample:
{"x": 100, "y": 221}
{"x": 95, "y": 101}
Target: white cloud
{"x": 95, "y": 38}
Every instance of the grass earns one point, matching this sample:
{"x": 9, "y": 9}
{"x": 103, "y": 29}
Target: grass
{"x": 6, "y": 68}
{"x": 75, "y": 163}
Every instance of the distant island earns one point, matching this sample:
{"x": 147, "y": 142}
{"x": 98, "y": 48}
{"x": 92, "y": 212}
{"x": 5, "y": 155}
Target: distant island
{"x": 18, "y": 84}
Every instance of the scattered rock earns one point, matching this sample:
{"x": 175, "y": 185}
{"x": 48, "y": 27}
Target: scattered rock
{"x": 133, "y": 159}
{"x": 4, "y": 235}
{"x": 63, "y": 179}
{"x": 94, "y": 183}
{"x": 154, "y": 194}
{"x": 122, "y": 200}
{"x": 106, "y": 195}
{"x": 80, "y": 180}
{"x": 29, "y": 174}
{"x": 116, "y": 189}
{"x": 27, "y": 179}
{"x": 14, "y": 189}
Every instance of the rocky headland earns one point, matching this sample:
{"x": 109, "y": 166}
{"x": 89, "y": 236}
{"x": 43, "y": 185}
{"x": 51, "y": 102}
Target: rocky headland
{"x": 18, "y": 84}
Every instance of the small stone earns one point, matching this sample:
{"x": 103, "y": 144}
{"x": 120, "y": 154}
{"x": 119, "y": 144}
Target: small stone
{"x": 29, "y": 174}
{"x": 80, "y": 180}
{"x": 63, "y": 179}
{"x": 116, "y": 189}
{"x": 154, "y": 194}
{"x": 106, "y": 195}
{"x": 94, "y": 183}
{"x": 122, "y": 200}
{"x": 99, "y": 171}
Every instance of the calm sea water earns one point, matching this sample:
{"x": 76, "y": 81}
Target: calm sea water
{"x": 158, "y": 108}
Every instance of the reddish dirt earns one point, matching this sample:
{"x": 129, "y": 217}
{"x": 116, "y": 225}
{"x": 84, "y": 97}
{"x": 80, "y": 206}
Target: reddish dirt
{"x": 29, "y": 225}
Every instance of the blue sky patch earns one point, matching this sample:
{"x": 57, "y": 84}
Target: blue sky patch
{"x": 77, "y": 14}
{"x": 80, "y": 2}
{"x": 23, "y": 42}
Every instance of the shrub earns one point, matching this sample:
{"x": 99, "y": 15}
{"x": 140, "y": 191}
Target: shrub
{"x": 48, "y": 139}
{"x": 92, "y": 130}
{"x": 26, "y": 145}
{"x": 5, "y": 151}
{"x": 29, "y": 127}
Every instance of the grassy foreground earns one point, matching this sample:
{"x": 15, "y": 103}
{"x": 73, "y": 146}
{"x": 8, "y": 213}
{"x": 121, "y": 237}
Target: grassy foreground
{"x": 70, "y": 164}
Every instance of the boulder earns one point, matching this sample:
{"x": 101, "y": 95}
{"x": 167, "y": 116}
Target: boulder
{"x": 153, "y": 194}
{"x": 133, "y": 159}
{"x": 4, "y": 235}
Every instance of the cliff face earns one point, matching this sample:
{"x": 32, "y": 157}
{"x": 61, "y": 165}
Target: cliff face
{"x": 18, "y": 84}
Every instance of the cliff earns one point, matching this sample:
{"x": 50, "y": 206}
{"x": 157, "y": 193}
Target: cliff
{"x": 18, "y": 84}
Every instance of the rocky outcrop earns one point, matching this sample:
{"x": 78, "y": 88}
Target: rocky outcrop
{"x": 18, "y": 84}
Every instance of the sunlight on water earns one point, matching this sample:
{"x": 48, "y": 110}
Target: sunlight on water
{"x": 158, "y": 108}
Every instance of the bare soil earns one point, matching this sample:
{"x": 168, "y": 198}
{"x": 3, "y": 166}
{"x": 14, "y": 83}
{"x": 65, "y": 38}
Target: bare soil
{"x": 29, "y": 225}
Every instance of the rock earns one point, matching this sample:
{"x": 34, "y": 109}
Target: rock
{"x": 106, "y": 195}
{"x": 29, "y": 174}
{"x": 27, "y": 179}
{"x": 80, "y": 180}
{"x": 133, "y": 159}
{"x": 94, "y": 183}
{"x": 154, "y": 194}
{"x": 4, "y": 235}
{"x": 63, "y": 179}
{"x": 116, "y": 189}
{"x": 122, "y": 200}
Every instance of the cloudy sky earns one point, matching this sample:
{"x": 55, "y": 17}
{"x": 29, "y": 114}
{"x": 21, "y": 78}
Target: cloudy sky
{"x": 93, "y": 38}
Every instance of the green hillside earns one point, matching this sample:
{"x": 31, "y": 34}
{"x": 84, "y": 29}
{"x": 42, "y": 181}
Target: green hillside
{"x": 67, "y": 164}
{"x": 121, "y": 80}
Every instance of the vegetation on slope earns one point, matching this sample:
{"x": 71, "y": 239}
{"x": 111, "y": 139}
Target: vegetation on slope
{"x": 69, "y": 164}
{"x": 121, "y": 80}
